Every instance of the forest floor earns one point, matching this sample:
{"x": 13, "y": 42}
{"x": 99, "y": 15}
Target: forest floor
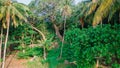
{"x": 13, "y": 62}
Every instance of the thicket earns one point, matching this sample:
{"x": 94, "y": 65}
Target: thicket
{"x": 28, "y": 41}
{"x": 62, "y": 34}
{"x": 84, "y": 47}
{"x": 89, "y": 45}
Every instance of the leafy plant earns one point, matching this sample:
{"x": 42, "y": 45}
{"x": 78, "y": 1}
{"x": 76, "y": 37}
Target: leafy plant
{"x": 30, "y": 52}
{"x": 85, "y": 46}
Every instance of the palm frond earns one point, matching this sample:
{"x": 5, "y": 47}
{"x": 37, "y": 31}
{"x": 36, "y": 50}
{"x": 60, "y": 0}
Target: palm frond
{"x": 2, "y": 11}
{"x": 4, "y": 23}
{"x": 114, "y": 9}
{"x": 66, "y": 10}
{"x": 22, "y": 8}
{"x": 102, "y": 11}
{"x": 13, "y": 18}
{"x": 18, "y": 14}
{"x": 93, "y": 6}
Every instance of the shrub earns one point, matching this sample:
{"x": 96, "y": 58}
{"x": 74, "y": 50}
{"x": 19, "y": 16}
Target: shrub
{"x": 30, "y": 52}
{"x": 84, "y": 46}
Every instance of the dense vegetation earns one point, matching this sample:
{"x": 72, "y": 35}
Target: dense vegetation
{"x": 62, "y": 34}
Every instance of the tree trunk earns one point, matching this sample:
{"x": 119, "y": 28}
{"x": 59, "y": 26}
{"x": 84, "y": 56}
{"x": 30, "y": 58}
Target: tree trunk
{"x": 57, "y": 32}
{"x": 94, "y": 1}
{"x": 119, "y": 17}
{"x": 6, "y": 39}
{"x": 22, "y": 43}
{"x": 97, "y": 64}
{"x": 82, "y": 22}
{"x": 43, "y": 36}
{"x": 5, "y": 47}
{"x": 63, "y": 37}
{"x": 101, "y": 24}
{"x": 1, "y": 45}
{"x": 44, "y": 53}
{"x": 56, "y": 28}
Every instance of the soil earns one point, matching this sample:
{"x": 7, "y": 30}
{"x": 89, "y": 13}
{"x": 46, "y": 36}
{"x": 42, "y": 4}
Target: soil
{"x": 13, "y": 62}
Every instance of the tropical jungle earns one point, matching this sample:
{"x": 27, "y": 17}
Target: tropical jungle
{"x": 60, "y": 34}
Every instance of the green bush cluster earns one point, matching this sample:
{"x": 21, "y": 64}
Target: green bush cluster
{"x": 30, "y": 52}
{"x": 86, "y": 45}
{"x": 21, "y": 38}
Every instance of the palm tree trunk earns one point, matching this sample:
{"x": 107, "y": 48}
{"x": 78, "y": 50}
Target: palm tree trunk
{"x": 44, "y": 53}
{"x": 1, "y": 45}
{"x": 5, "y": 47}
{"x": 94, "y": 1}
{"x": 101, "y": 24}
{"x": 63, "y": 38}
{"x": 6, "y": 39}
{"x": 119, "y": 17}
{"x": 22, "y": 43}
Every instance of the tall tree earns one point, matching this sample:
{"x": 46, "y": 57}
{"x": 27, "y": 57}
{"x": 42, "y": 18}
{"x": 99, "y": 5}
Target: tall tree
{"x": 66, "y": 12}
{"x": 11, "y": 12}
{"x": 51, "y": 10}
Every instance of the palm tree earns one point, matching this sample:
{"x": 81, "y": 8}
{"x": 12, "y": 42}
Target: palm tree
{"x": 66, "y": 12}
{"x": 81, "y": 10}
{"x": 102, "y": 11}
{"x": 105, "y": 8}
{"x": 1, "y": 39}
{"x": 11, "y": 12}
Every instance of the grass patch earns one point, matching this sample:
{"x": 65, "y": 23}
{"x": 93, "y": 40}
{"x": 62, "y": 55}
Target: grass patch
{"x": 36, "y": 63}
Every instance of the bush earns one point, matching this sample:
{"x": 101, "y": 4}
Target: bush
{"x": 30, "y": 52}
{"x": 115, "y": 65}
{"x": 84, "y": 46}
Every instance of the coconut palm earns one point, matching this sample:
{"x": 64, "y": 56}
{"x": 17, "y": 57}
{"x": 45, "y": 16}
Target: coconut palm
{"x": 106, "y": 8}
{"x": 1, "y": 39}
{"x": 81, "y": 10}
{"x": 1, "y": 35}
{"x": 102, "y": 9}
{"x": 12, "y": 14}
{"x": 66, "y": 12}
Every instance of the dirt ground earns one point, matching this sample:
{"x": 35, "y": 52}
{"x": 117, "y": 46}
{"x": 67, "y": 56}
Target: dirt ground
{"x": 13, "y": 62}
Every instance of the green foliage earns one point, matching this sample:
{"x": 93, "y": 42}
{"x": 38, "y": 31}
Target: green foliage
{"x": 115, "y": 65}
{"x": 30, "y": 52}
{"x": 22, "y": 37}
{"x": 23, "y": 34}
{"x": 52, "y": 58}
{"x": 84, "y": 46}
{"x": 37, "y": 63}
